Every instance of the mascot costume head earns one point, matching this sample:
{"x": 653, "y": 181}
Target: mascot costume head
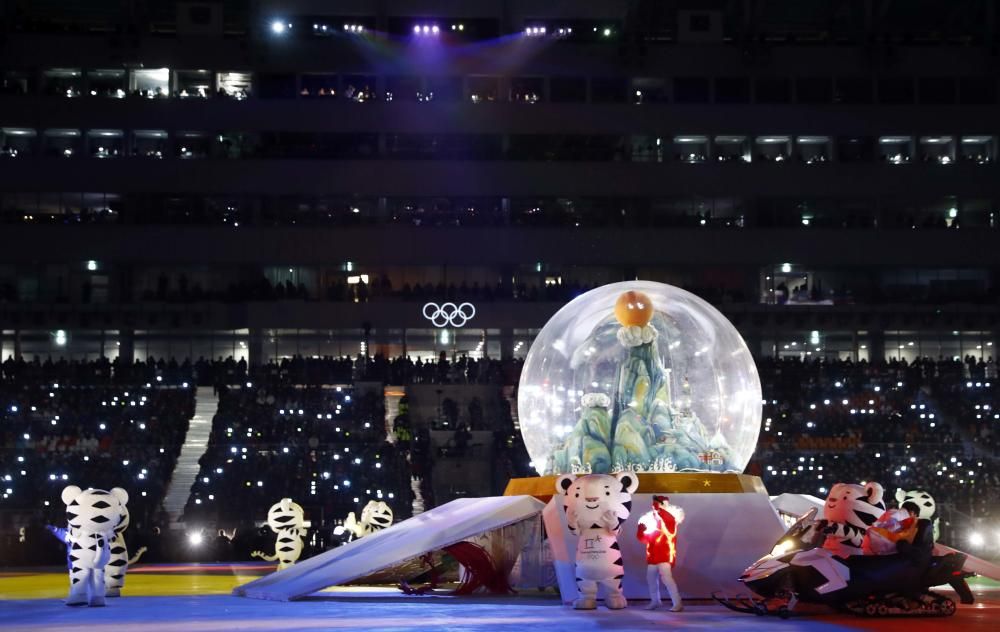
{"x": 923, "y": 500}
{"x": 596, "y": 505}
{"x": 849, "y": 510}
{"x": 93, "y": 515}
{"x": 376, "y": 515}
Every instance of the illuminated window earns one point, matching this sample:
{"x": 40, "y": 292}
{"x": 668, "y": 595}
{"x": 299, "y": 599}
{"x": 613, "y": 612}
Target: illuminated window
{"x": 193, "y": 84}
{"x": 106, "y": 83}
{"x": 977, "y": 149}
{"x": 315, "y": 85}
{"x": 17, "y": 141}
{"x": 189, "y": 145}
{"x": 236, "y": 85}
{"x": 691, "y": 149}
{"x": 732, "y": 149}
{"x": 896, "y": 150}
{"x": 149, "y": 143}
{"x": 150, "y": 83}
{"x": 105, "y": 143}
{"x": 63, "y": 82}
{"x": 813, "y": 149}
{"x": 61, "y": 142}
{"x": 937, "y": 149}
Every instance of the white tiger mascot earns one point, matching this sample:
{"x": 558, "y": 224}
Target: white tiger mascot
{"x": 596, "y": 505}
{"x": 93, "y": 515}
{"x": 925, "y": 502}
{"x": 114, "y": 576}
{"x": 849, "y": 510}
{"x": 287, "y": 519}
{"x": 376, "y": 515}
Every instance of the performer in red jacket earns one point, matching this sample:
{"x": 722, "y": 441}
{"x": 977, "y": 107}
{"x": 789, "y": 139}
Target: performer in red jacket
{"x": 658, "y": 531}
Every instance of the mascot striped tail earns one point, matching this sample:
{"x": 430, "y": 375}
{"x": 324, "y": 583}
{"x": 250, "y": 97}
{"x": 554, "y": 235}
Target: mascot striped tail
{"x": 114, "y": 575}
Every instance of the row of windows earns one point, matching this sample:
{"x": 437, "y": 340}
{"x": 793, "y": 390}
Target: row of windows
{"x": 785, "y": 284}
{"x": 687, "y": 148}
{"x": 426, "y": 344}
{"x": 948, "y": 212}
{"x": 364, "y": 87}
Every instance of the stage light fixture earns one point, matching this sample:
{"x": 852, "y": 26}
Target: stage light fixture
{"x": 278, "y": 27}
{"x": 195, "y": 539}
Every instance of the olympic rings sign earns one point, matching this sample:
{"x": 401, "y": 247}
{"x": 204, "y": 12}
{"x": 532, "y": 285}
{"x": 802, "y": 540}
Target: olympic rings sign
{"x": 449, "y": 314}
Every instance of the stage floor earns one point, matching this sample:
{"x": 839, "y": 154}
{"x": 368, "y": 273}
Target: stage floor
{"x": 195, "y": 598}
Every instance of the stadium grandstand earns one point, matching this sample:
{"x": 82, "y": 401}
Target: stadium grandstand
{"x": 230, "y": 230}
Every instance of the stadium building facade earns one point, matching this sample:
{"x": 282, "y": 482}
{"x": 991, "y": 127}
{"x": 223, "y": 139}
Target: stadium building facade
{"x": 261, "y": 180}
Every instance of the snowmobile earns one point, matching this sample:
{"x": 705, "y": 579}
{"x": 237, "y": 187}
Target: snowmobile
{"x": 799, "y": 570}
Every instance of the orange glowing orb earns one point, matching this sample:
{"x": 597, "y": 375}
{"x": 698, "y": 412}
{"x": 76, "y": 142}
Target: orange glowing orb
{"x": 633, "y": 309}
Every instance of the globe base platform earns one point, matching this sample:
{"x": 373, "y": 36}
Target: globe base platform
{"x": 543, "y": 487}
{"x": 730, "y": 523}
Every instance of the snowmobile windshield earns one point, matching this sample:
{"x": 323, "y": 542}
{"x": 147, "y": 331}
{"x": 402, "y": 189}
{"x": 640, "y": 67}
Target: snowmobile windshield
{"x": 801, "y": 535}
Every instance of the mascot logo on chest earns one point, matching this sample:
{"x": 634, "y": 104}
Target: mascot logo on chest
{"x": 596, "y": 505}
{"x": 849, "y": 510}
{"x": 93, "y": 515}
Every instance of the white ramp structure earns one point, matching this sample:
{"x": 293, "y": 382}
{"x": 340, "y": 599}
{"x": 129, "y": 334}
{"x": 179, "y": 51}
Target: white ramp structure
{"x": 793, "y": 506}
{"x": 433, "y": 530}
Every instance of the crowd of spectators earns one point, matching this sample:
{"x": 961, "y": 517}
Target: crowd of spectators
{"x": 56, "y": 434}
{"x": 344, "y": 370}
{"x": 855, "y": 403}
{"x": 460, "y": 370}
{"x": 295, "y": 370}
{"x": 310, "y": 429}
{"x": 927, "y": 424}
{"x": 377, "y": 288}
{"x": 99, "y": 372}
{"x": 325, "y": 447}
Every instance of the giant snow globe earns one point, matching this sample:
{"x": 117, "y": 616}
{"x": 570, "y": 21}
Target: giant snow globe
{"x": 639, "y": 376}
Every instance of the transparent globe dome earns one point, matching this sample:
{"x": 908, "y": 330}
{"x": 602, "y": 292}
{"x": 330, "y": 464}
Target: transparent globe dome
{"x": 643, "y": 376}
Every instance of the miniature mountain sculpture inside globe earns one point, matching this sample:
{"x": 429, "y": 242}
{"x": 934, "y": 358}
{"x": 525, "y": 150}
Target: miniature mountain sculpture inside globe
{"x": 639, "y": 376}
